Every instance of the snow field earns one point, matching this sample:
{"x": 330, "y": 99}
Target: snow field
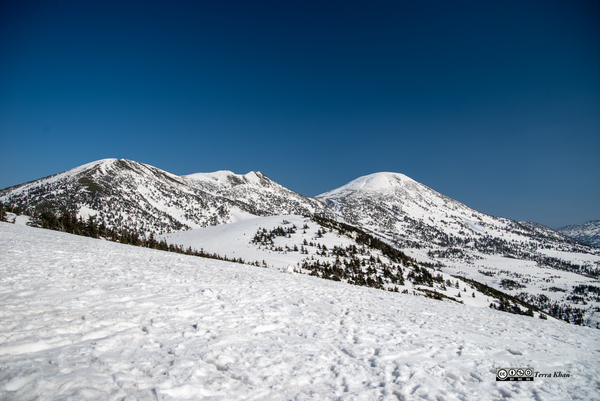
{"x": 535, "y": 279}
{"x": 234, "y": 240}
{"x": 90, "y": 319}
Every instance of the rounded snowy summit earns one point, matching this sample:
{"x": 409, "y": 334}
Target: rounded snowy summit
{"x": 377, "y": 182}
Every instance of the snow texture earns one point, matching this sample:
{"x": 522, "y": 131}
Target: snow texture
{"x": 90, "y": 319}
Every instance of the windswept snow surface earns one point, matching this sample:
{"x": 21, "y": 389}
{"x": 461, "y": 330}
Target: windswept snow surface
{"x": 89, "y": 319}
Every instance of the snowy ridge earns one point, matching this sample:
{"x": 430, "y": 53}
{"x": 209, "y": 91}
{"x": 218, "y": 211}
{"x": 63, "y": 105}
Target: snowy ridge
{"x": 90, "y": 319}
{"x": 228, "y": 179}
{"x": 587, "y": 233}
{"x": 125, "y": 194}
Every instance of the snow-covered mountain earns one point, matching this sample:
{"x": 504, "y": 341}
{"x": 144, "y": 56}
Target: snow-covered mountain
{"x": 527, "y": 260}
{"x": 85, "y": 319}
{"x": 414, "y": 214}
{"x": 587, "y": 233}
{"x": 135, "y": 196}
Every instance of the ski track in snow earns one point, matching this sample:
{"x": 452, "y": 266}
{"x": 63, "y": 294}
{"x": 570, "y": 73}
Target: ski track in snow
{"x": 89, "y": 319}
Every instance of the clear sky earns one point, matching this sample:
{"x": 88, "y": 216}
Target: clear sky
{"x": 495, "y": 104}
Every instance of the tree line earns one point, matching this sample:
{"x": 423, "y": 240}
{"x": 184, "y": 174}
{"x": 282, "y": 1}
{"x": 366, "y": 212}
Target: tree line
{"x": 70, "y": 223}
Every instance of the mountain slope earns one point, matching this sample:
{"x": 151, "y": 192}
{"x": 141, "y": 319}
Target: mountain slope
{"x": 587, "y": 233}
{"x": 527, "y": 260}
{"x": 411, "y": 211}
{"x": 129, "y": 195}
{"x": 340, "y": 252}
{"x": 95, "y": 320}
{"x": 413, "y": 215}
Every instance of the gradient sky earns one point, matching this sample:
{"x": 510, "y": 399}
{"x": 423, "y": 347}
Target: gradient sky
{"x": 495, "y": 104}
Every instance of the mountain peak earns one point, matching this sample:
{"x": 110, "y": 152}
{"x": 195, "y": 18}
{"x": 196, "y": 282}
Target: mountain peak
{"x": 219, "y": 176}
{"x": 376, "y": 182}
{"x": 228, "y": 179}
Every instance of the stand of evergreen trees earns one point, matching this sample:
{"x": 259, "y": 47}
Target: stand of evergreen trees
{"x": 8, "y": 209}
{"x": 362, "y": 238}
{"x": 568, "y": 313}
{"x": 354, "y": 265}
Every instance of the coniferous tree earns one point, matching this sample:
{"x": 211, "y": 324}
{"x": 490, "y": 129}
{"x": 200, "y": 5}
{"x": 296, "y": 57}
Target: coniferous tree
{"x": 91, "y": 229}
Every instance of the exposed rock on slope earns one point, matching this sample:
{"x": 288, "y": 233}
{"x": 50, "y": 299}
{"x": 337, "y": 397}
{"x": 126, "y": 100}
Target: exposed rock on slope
{"x": 135, "y": 196}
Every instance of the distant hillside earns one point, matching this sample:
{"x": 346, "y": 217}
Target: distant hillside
{"x": 587, "y": 233}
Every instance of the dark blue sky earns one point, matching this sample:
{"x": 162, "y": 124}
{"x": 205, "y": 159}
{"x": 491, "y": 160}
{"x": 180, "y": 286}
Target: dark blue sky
{"x": 495, "y": 104}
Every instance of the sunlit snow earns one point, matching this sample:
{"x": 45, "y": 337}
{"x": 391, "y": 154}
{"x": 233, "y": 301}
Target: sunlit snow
{"x": 90, "y": 319}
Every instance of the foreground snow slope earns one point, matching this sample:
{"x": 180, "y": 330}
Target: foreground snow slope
{"x": 88, "y": 319}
